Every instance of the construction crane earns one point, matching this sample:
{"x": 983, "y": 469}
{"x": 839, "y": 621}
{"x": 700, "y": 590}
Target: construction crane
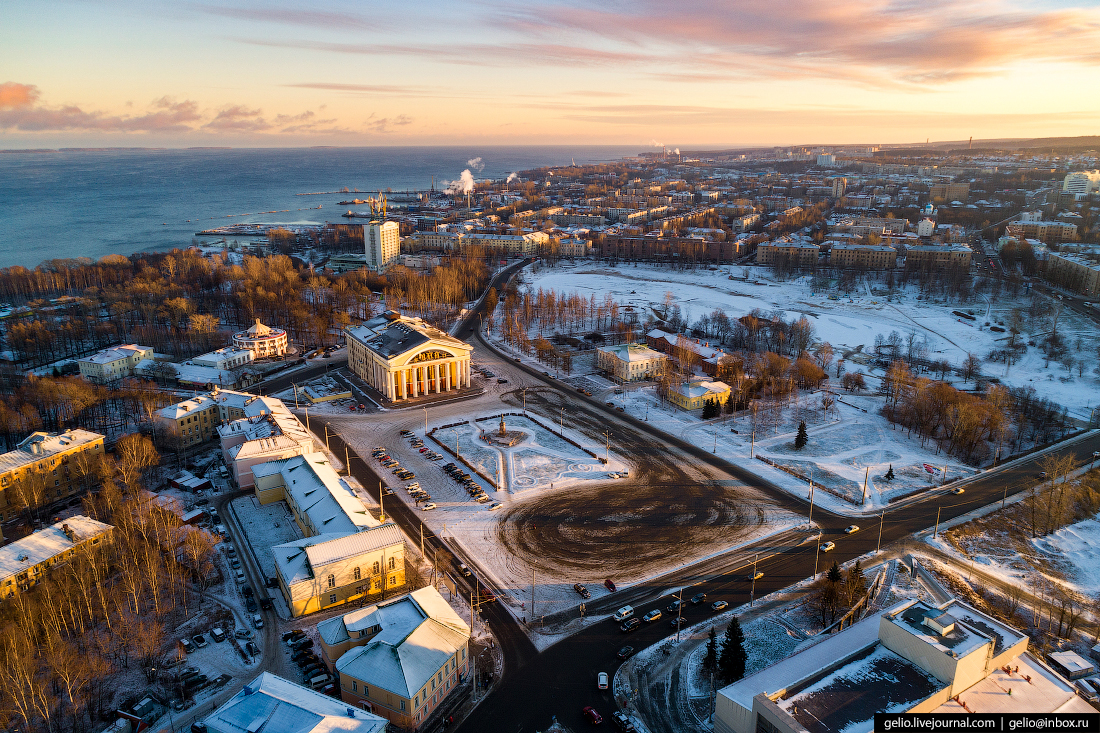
{"x": 378, "y": 205}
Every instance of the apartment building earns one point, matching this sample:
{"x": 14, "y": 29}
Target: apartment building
{"x": 949, "y": 191}
{"x": 382, "y": 243}
{"x": 788, "y": 253}
{"x": 1048, "y": 232}
{"x": 1081, "y": 183}
{"x": 223, "y": 359}
{"x": 25, "y": 562}
{"x": 1073, "y": 273}
{"x": 399, "y": 659}
{"x": 863, "y": 256}
{"x": 43, "y": 465}
{"x": 113, "y": 364}
{"x": 938, "y": 257}
{"x": 346, "y": 555}
{"x": 516, "y": 245}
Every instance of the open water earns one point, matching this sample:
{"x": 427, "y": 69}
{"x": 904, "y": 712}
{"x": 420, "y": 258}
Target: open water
{"x": 93, "y": 203}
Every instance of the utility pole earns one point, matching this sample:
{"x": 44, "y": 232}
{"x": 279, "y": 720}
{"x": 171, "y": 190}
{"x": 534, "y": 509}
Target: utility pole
{"x": 381, "y": 499}
{"x": 425, "y": 421}
{"x": 881, "y": 519}
{"x": 680, "y": 612}
{"x": 532, "y": 594}
{"x": 937, "y": 531}
{"x": 295, "y": 395}
{"x": 943, "y": 481}
{"x": 752, "y": 596}
{"x": 606, "y": 446}
{"x": 810, "y": 519}
{"x": 422, "y": 539}
{"x": 307, "y": 419}
{"x": 326, "y": 440}
{"x": 715, "y": 449}
{"x": 347, "y": 459}
{"x": 1004, "y": 496}
{"x": 752, "y": 445}
{"x": 561, "y": 422}
{"x": 866, "y": 477}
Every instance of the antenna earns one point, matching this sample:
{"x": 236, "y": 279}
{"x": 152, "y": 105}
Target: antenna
{"x": 971, "y": 145}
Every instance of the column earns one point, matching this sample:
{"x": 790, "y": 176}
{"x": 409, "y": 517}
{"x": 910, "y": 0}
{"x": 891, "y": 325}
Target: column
{"x": 435, "y": 378}
{"x": 415, "y": 386}
{"x": 400, "y": 375}
{"x": 467, "y": 363}
{"x": 446, "y": 375}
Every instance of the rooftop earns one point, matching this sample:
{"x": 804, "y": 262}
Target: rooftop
{"x": 117, "y": 353}
{"x": 320, "y": 494}
{"x": 39, "y": 445}
{"x": 27, "y": 552}
{"x": 632, "y": 352}
{"x": 391, "y": 334}
{"x": 274, "y": 705}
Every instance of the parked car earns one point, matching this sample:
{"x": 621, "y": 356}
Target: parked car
{"x": 623, "y": 721}
{"x": 188, "y": 645}
{"x": 266, "y": 604}
{"x": 581, "y": 590}
{"x": 246, "y": 591}
{"x": 289, "y": 636}
{"x": 243, "y": 633}
{"x": 200, "y": 640}
{"x": 609, "y": 585}
{"x": 257, "y": 621}
{"x": 601, "y": 681}
{"x": 218, "y": 635}
{"x": 429, "y": 506}
{"x": 593, "y": 717}
{"x": 463, "y": 570}
{"x": 250, "y": 605}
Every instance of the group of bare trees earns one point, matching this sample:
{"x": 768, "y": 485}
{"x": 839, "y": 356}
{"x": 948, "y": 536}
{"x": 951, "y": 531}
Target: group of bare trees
{"x": 106, "y": 609}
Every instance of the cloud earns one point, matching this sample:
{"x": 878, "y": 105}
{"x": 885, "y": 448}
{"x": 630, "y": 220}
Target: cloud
{"x": 285, "y": 16}
{"x": 386, "y": 124}
{"x": 20, "y": 110}
{"x": 393, "y": 90}
{"x": 889, "y": 42}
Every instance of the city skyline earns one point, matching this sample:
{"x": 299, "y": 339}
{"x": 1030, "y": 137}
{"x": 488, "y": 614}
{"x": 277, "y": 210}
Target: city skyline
{"x": 700, "y": 73}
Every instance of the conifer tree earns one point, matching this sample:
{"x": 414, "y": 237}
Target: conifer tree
{"x": 710, "y": 657}
{"x": 731, "y": 661}
{"x": 890, "y": 473}
{"x": 802, "y": 438}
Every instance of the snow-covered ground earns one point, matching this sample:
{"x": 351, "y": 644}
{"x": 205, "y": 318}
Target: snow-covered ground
{"x": 849, "y": 324}
{"x": 265, "y": 525}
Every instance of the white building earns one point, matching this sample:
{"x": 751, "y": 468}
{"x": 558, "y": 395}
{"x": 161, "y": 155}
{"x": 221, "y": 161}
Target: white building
{"x": 272, "y": 704}
{"x": 382, "y": 242}
{"x": 827, "y": 160}
{"x": 113, "y": 364}
{"x": 268, "y": 431}
{"x": 912, "y": 657}
{"x": 404, "y": 357}
{"x": 631, "y": 362}
{"x": 1081, "y": 183}
{"x": 926, "y": 228}
{"x": 263, "y": 341}
{"x": 399, "y": 659}
{"x": 223, "y": 359}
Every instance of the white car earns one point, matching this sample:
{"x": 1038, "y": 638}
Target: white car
{"x": 828, "y": 546}
{"x": 613, "y": 475}
{"x": 601, "y": 681}
{"x": 494, "y": 506}
{"x": 851, "y": 529}
{"x": 429, "y": 506}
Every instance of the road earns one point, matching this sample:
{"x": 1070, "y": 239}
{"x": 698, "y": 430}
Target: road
{"x": 561, "y": 680}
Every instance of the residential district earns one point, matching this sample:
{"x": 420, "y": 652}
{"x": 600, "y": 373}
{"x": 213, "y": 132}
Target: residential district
{"x": 761, "y": 440}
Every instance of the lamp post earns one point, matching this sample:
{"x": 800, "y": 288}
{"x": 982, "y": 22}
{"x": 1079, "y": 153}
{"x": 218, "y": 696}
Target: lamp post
{"x": 425, "y": 421}
{"x": 881, "y": 519}
{"x": 752, "y": 596}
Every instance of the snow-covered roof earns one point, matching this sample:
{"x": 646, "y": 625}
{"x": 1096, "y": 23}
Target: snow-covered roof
{"x": 39, "y": 445}
{"x": 417, "y": 635}
{"x": 186, "y": 408}
{"x": 117, "y": 353}
{"x": 700, "y": 388}
{"x": 1072, "y": 662}
{"x": 46, "y": 543}
{"x": 632, "y": 352}
{"x": 274, "y": 705}
{"x": 319, "y": 493}
{"x": 1045, "y": 693}
{"x": 391, "y": 334}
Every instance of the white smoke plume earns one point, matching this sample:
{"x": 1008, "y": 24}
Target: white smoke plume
{"x": 464, "y": 185}
{"x": 511, "y": 177}
{"x": 656, "y": 144}
{"x": 676, "y": 151}
{"x": 476, "y": 164}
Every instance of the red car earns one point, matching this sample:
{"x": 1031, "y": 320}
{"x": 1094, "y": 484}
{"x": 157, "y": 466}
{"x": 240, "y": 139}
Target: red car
{"x": 593, "y": 717}
{"x": 609, "y": 585}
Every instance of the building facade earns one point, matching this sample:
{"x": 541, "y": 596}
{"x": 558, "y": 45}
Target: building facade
{"x": 949, "y": 191}
{"x": 224, "y": 359}
{"x": 938, "y": 257}
{"x": 1048, "y": 232}
{"x": 790, "y": 254}
{"x": 863, "y": 256}
{"x": 1073, "y": 273}
{"x": 1081, "y": 183}
{"x": 346, "y": 555}
{"x": 25, "y": 562}
{"x": 113, "y": 364}
{"x": 382, "y": 241}
{"x": 630, "y": 362}
{"x": 263, "y": 341}
{"x": 398, "y": 659}
{"x": 694, "y": 394}
{"x": 404, "y": 357}
{"x": 48, "y": 466}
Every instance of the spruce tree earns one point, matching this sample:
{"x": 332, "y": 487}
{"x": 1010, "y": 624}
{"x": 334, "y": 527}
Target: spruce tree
{"x": 731, "y": 661}
{"x": 710, "y": 657}
{"x": 802, "y": 438}
{"x": 834, "y": 575}
{"x": 890, "y": 473}
{"x": 710, "y": 409}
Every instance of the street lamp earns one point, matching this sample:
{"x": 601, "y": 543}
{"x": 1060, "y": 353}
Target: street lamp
{"x": 752, "y": 596}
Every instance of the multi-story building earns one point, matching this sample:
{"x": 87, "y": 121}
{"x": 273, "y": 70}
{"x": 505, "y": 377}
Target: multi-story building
{"x": 113, "y": 364}
{"x": 863, "y": 256}
{"x": 517, "y": 245}
{"x": 439, "y": 241}
{"x": 346, "y": 555}
{"x": 926, "y": 227}
{"x": 398, "y": 659}
{"x": 630, "y": 362}
{"x": 1073, "y": 273}
{"x": 1048, "y": 232}
{"x": 938, "y": 257}
{"x": 44, "y": 465}
{"x": 574, "y": 247}
{"x": 949, "y": 191}
{"x": 404, "y": 357}
{"x": 190, "y": 422}
{"x": 826, "y": 160}
{"x": 263, "y": 341}
{"x": 1081, "y": 183}
{"x": 382, "y": 241}
{"x": 787, "y": 253}
{"x": 695, "y": 393}
{"x": 223, "y": 359}
{"x": 863, "y": 225}
{"x": 267, "y": 432}
{"x": 910, "y": 658}
{"x": 743, "y": 223}
{"x": 25, "y": 562}
{"x": 272, "y": 704}
{"x": 840, "y": 185}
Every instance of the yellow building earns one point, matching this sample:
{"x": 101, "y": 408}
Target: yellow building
{"x": 631, "y": 362}
{"x": 113, "y": 364}
{"x": 864, "y": 256}
{"x": 404, "y": 357}
{"x": 24, "y": 563}
{"x": 43, "y": 466}
{"x": 346, "y": 554}
{"x": 692, "y": 395}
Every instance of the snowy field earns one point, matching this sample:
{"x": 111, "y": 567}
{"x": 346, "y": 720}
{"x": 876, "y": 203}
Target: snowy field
{"x": 850, "y": 324}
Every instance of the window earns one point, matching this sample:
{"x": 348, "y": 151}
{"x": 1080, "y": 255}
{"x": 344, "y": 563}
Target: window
{"x": 393, "y": 580}
{"x": 433, "y": 683}
{"x": 331, "y": 581}
{"x": 378, "y": 584}
{"x": 354, "y": 686}
{"x": 402, "y": 704}
{"x": 377, "y": 568}
{"x": 332, "y": 598}
{"x": 393, "y": 563}
{"x": 355, "y": 574}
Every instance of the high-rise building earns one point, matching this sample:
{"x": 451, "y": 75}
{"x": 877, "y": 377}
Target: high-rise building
{"x": 382, "y": 241}
{"x": 839, "y": 186}
{"x": 1081, "y": 183}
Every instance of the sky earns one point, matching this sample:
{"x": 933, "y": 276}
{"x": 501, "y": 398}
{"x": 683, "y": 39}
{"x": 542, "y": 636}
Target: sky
{"x": 690, "y": 73}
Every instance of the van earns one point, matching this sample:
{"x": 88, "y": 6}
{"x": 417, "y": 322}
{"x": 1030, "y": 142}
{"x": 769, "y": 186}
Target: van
{"x": 240, "y": 578}
{"x": 623, "y": 613}
{"x": 320, "y": 681}
{"x": 217, "y": 635}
